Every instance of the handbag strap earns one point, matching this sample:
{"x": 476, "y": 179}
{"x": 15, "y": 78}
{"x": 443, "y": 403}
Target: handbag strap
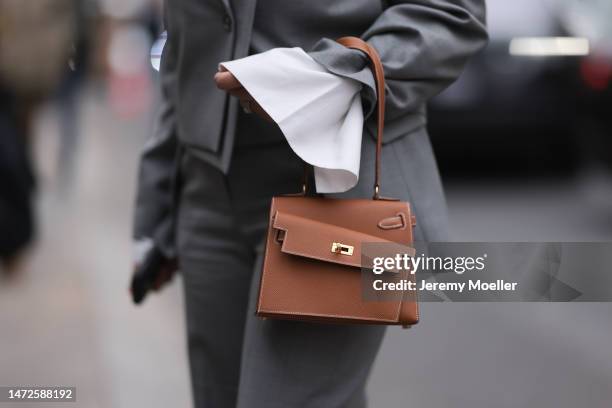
{"x": 379, "y": 79}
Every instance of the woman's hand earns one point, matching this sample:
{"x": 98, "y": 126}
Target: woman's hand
{"x": 228, "y": 83}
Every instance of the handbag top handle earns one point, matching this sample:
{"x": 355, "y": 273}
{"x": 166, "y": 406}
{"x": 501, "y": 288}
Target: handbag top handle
{"x": 379, "y": 79}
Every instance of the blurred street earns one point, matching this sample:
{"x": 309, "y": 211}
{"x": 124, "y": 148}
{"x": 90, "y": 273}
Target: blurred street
{"x": 67, "y": 319}
{"x": 82, "y": 328}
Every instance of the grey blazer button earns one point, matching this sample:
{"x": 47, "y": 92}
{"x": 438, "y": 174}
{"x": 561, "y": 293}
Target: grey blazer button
{"x": 227, "y": 22}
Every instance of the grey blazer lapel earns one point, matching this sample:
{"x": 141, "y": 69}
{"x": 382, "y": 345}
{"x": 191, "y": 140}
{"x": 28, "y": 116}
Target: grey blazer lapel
{"x": 227, "y": 6}
{"x": 244, "y": 14}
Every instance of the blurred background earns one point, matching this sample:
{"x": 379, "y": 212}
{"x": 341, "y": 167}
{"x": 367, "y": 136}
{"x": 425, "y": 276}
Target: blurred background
{"x": 523, "y": 139}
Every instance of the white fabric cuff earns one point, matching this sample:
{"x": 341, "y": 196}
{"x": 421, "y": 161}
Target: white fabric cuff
{"x": 319, "y": 113}
{"x": 140, "y": 248}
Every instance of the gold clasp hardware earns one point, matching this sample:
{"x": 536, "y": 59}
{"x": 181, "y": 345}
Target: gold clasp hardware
{"x": 342, "y": 249}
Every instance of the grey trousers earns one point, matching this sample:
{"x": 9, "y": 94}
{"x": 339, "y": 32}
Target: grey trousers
{"x": 237, "y": 359}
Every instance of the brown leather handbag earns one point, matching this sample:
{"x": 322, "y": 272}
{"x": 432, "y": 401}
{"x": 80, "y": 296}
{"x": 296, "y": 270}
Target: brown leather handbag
{"x": 313, "y": 257}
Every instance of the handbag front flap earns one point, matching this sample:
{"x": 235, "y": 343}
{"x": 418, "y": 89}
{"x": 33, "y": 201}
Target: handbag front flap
{"x": 313, "y": 239}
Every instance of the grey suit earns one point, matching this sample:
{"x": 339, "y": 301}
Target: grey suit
{"x": 213, "y": 215}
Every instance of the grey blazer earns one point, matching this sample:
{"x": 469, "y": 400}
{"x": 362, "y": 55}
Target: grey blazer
{"x": 423, "y": 45}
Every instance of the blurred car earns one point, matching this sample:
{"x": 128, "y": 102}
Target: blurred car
{"x": 520, "y": 104}
{"x": 593, "y": 19}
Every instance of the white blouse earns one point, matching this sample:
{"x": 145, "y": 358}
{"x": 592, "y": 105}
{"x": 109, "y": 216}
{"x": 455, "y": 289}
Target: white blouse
{"x": 319, "y": 113}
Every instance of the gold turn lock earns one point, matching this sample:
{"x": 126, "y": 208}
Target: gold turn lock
{"x": 342, "y": 249}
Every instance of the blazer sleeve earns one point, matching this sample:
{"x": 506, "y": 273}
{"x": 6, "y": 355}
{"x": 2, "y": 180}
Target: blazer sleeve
{"x": 153, "y": 217}
{"x": 423, "y": 45}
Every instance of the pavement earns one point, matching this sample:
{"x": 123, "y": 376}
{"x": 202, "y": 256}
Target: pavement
{"x": 67, "y": 319}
